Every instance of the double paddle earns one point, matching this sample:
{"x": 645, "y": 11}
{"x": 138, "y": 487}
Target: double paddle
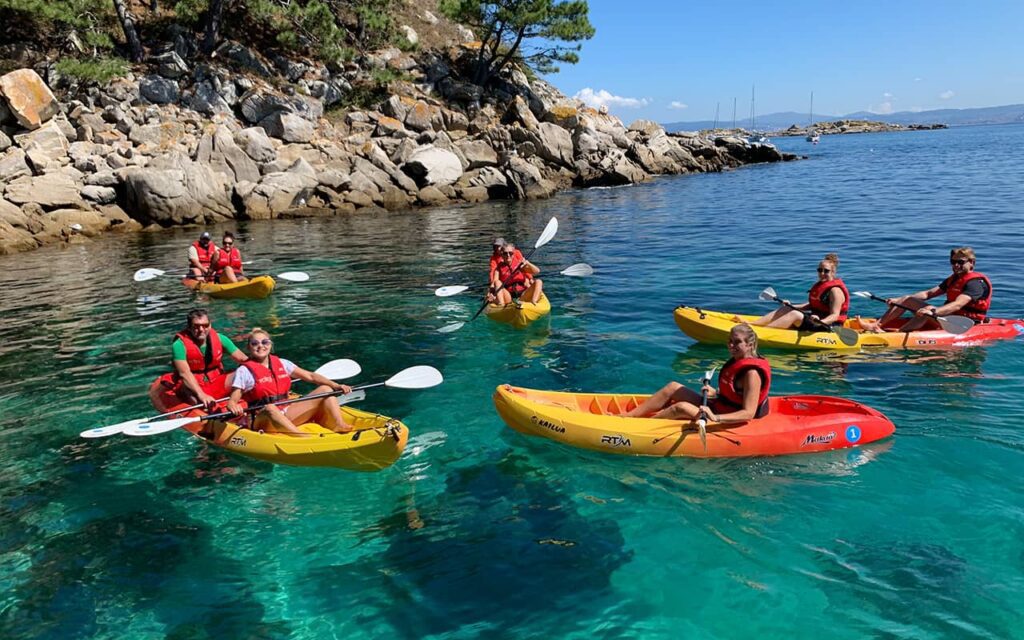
{"x": 950, "y": 324}
{"x": 545, "y": 237}
{"x": 334, "y": 370}
{"x": 702, "y": 420}
{"x": 849, "y": 337}
{"x": 142, "y": 275}
{"x": 418, "y": 377}
{"x": 578, "y": 270}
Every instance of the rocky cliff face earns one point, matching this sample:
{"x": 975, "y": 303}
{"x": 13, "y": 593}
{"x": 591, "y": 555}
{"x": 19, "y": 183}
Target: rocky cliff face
{"x": 245, "y": 136}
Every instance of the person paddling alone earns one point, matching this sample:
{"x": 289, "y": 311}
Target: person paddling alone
{"x": 519, "y": 277}
{"x": 197, "y": 354}
{"x": 227, "y": 260}
{"x": 265, "y": 379}
{"x": 742, "y": 393}
{"x": 200, "y": 257}
{"x": 828, "y": 300}
{"x": 968, "y": 293}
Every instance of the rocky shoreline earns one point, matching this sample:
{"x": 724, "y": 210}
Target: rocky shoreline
{"x": 839, "y": 127}
{"x": 183, "y": 140}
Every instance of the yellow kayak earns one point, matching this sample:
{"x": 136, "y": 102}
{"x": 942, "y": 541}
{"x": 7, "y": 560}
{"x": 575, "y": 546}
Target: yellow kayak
{"x": 254, "y": 288}
{"x": 713, "y": 327}
{"x": 375, "y": 444}
{"x": 519, "y": 314}
{"x": 794, "y": 424}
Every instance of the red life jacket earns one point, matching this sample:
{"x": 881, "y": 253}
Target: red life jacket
{"x": 272, "y": 384}
{"x": 733, "y": 370}
{"x": 820, "y": 301}
{"x": 198, "y": 363}
{"x": 515, "y": 283}
{"x": 975, "y": 309}
{"x": 228, "y": 258}
{"x": 205, "y": 255}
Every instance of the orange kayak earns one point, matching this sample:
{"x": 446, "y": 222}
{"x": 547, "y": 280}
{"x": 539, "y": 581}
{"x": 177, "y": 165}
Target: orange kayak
{"x": 794, "y": 424}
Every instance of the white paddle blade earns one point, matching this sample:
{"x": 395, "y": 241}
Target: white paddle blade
{"x": 340, "y": 369}
{"x": 355, "y": 396}
{"x": 549, "y": 232}
{"x": 768, "y": 295}
{"x": 418, "y": 377}
{"x": 147, "y": 274}
{"x": 579, "y": 270}
{"x": 863, "y": 294}
{"x": 294, "y": 276}
{"x": 155, "y": 428}
{"x": 449, "y": 328}
{"x": 112, "y": 430}
{"x": 444, "y": 292}
{"x": 709, "y": 374}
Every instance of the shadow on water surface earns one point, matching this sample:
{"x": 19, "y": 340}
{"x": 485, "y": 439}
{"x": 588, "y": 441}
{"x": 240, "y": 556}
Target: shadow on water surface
{"x": 499, "y": 549}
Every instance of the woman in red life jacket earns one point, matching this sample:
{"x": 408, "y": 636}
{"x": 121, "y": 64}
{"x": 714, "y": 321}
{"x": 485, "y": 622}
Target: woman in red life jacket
{"x": 266, "y": 379}
{"x": 227, "y": 260}
{"x": 518, "y": 276}
{"x": 968, "y": 293}
{"x": 197, "y": 354}
{"x": 828, "y": 300}
{"x": 200, "y": 257}
{"x": 742, "y": 393}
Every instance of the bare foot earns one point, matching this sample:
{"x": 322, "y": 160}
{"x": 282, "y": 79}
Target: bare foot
{"x": 869, "y": 326}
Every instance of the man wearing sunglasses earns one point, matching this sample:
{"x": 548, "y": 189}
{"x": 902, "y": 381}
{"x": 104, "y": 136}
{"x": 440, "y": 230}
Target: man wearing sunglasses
{"x": 197, "y": 355}
{"x": 227, "y": 260}
{"x": 200, "y": 257}
{"x": 518, "y": 276}
{"x": 498, "y": 245}
{"x": 968, "y": 293}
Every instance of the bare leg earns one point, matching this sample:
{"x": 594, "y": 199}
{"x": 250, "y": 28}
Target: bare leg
{"x": 324, "y": 411}
{"x": 671, "y": 393}
{"x": 273, "y": 419}
{"x": 504, "y": 297}
{"x": 533, "y": 292}
{"x": 892, "y": 313}
{"x": 228, "y": 275}
{"x": 679, "y": 411}
{"x": 782, "y": 318}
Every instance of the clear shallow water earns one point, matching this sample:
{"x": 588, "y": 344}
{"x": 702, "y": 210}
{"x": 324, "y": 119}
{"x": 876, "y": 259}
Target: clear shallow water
{"x": 478, "y": 531}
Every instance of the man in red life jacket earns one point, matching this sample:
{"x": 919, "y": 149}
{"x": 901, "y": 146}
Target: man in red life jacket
{"x": 227, "y": 260}
{"x": 200, "y": 257}
{"x": 968, "y": 293}
{"x": 197, "y": 354}
{"x": 518, "y": 276}
{"x": 498, "y": 245}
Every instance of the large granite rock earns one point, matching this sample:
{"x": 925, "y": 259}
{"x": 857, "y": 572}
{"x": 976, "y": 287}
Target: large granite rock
{"x": 525, "y": 181}
{"x": 288, "y": 127}
{"x": 218, "y": 150}
{"x": 256, "y": 144}
{"x": 50, "y": 191}
{"x": 431, "y": 165}
{"x": 29, "y": 99}
{"x": 159, "y": 90}
{"x": 175, "y": 190}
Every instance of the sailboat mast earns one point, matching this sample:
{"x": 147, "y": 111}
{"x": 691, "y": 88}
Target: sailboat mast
{"x": 752, "y": 127}
{"x": 717, "y": 105}
{"x": 734, "y": 113}
{"x": 810, "y": 116}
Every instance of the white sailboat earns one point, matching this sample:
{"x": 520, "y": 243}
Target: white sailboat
{"x": 812, "y": 134}
{"x": 756, "y": 137}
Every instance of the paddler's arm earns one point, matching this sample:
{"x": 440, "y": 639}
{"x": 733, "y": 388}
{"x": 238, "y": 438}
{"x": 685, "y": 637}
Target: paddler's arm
{"x": 947, "y": 309}
{"x": 751, "y": 392}
{"x": 315, "y": 378}
{"x": 193, "y": 259}
{"x": 836, "y": 298}
{"x": 235, "y": 402}
{"x": 232, "y": 350}
{"x": 190, "y": 382}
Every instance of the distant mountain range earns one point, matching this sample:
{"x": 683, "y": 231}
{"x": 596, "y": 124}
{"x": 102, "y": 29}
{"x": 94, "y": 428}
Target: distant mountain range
{"x": 1008, "y": 114}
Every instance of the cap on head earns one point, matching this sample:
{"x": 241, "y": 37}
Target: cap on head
{"x": 204, "y": 235}
{"x": 499, "y": 242}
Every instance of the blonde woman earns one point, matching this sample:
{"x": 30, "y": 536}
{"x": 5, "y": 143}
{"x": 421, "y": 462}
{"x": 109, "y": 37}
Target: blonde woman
{"x": 742, "y": 392}
{"x": 968, "y": 293}
{"x": 828, "y": 300}
{"x": 265, "y": 379}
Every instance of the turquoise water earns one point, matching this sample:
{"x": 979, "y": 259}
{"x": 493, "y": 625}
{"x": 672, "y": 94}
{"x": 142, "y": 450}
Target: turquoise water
{"x": 480, "y": 532}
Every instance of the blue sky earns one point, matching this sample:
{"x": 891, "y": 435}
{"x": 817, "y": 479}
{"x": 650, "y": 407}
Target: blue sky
{"x": 672, "y": 61}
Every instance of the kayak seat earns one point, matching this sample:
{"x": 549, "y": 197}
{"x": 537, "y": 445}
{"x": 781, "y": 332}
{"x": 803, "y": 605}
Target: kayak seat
{"x": 613, "y": 406}
{"x": 632, "y": 404}
{"x": 595, "y": 407}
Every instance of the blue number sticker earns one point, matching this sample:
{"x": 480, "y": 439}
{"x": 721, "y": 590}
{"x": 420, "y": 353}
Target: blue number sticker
{"x": 853, "y": 433}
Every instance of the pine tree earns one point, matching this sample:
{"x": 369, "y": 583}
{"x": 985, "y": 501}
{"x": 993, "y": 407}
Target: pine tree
{"x": 506, "y": 26}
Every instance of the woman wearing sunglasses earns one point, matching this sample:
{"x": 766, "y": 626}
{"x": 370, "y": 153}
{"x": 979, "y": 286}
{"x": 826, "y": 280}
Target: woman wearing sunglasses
{"x": 828, "y": 300}
{"x": 227, "y": 260}
{"x": 968, "y": 293}
{"x": 265, "y": 379}
{"x": 518, "y": 276}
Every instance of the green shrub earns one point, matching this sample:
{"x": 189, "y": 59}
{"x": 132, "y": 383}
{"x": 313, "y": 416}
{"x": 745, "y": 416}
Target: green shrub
{"x": 100, "y": 70}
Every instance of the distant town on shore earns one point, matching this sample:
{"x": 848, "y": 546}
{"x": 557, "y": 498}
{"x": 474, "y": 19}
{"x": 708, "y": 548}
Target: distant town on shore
{"x": 780, "y": 122}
